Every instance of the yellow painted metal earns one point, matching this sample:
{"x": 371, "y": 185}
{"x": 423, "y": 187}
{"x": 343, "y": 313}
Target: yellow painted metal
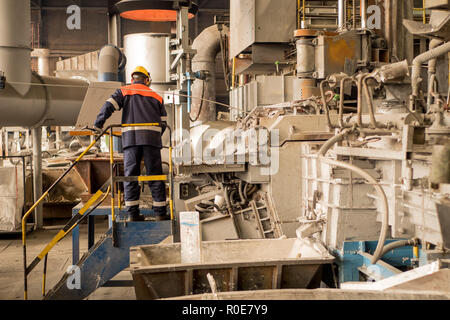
{"x": 24, "y": 219}
{"x": 52, "y": 243}
{"x": 119, "y": 200}
{"x": 111, "y": 158}
{"x": 170, "y": 184}
{"x": 43, "y": 284}
{"x": 152, "y": 178}
{"x": 416, "y": 252}
{"x": 90, "y": 202}
{"x": 304, "y": 10}
{"x": 86, "y": 151}
{"x": 140, "y": 124}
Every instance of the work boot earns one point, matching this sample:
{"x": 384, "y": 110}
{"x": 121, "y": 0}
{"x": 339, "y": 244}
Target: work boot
{"x": 135, "y": 217}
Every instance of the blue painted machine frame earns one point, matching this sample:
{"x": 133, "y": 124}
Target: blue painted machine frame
{"x": 356, "y": 256}
{"x": 104, "y": 261}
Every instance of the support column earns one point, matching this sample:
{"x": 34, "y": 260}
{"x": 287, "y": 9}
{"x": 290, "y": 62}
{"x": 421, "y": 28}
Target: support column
{"x": 37, "y": 175}
{"x": 43, "y": 56}
{"x": 114, "y": 30}
{"x": 183, "y": 48}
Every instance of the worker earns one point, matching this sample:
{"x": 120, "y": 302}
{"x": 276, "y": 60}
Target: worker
{"x": 140, "y": 105}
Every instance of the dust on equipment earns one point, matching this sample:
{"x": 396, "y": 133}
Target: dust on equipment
{"x": 328, "y": 169}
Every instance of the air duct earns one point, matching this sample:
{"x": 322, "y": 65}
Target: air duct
{"x": 31, "y": 100}
{"x": 111, "y": 63}
{"x": 207, "y": 45}
{"x": 15, "y": 52}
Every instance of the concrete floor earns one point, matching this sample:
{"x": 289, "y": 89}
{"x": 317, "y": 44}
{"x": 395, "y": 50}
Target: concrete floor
{"x": 59, "y": 259}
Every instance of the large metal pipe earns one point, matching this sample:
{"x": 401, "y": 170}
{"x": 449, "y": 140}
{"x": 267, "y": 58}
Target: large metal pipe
{"x": 56, "y": 101}
{"x": 207, "y": 45}
{"x": 110, "y": 63}
{"x": 31, "y": 100}
{"x": 434, "y": 43}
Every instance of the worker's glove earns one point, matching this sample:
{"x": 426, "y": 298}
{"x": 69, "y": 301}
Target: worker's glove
{"x": 97, "y": 130}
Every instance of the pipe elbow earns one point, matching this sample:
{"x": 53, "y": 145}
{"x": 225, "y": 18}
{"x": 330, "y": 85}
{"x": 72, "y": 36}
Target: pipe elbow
{"x": 111, "y": 61}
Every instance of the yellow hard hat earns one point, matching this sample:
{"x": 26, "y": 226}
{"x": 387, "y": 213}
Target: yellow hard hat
{"x": 141, "y": 69}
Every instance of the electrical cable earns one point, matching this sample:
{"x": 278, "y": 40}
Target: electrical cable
{"x": 138, "y": 90}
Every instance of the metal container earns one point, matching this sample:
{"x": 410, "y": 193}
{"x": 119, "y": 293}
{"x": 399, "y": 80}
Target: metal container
{"x": 150, "y": 50}
{"x": 235, "y": 265}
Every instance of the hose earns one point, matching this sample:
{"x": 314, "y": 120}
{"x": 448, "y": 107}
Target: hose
{"x": 359, "y": 84}
{"x": 227, "y": 201}
{"x": 201, "y": 209}
{"x": 241, "y": 194}
{"x": 201, "y": 104}
{"x": 385, "y": 218}
{"x": 211, "y": 204}
{"x": 325, "y": 104}
{"x": 373, "y": 121}
{"x": 417, "y": 65}
{"x": 399, "y": 244}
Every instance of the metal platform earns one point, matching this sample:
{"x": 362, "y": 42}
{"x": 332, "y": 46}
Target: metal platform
{"x": 104, "y": 261}
{"x": 100, "y": 211}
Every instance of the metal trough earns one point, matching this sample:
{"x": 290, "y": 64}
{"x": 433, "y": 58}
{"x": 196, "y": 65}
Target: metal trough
{"x": 238, "y": 265}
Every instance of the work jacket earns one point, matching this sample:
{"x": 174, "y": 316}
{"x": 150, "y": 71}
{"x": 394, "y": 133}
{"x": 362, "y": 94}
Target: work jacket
{"x": 139, "y": 104}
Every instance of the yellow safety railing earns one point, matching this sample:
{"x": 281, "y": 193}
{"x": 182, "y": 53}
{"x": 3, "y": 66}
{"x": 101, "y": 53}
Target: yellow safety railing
{"x": 107, "y": 188}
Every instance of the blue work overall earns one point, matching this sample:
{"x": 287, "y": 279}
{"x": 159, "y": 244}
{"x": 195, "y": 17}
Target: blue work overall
{"x": 139, "y": 104}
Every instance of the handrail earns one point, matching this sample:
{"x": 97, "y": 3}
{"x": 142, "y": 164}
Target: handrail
{"x": 77, "y": 219}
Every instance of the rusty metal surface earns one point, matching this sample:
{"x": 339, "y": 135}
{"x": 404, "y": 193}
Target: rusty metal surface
{"x": 68, "y": 190}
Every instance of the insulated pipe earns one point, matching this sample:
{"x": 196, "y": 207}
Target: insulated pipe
{"x": 207, "y": 45}
{"x": 325, "y": 104}
{"x": 399, "y": 244}
{"x": 434, "y": 43}
{"x": 60, "y": 108}
{"x": 29, "y": 100}
{"x": 15, "y": 52}
{"x": 417, "y": 65}
{"x": 385, "y": 219}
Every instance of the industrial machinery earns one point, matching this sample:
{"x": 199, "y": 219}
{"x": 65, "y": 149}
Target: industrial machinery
{"x": 337, "y": 135}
